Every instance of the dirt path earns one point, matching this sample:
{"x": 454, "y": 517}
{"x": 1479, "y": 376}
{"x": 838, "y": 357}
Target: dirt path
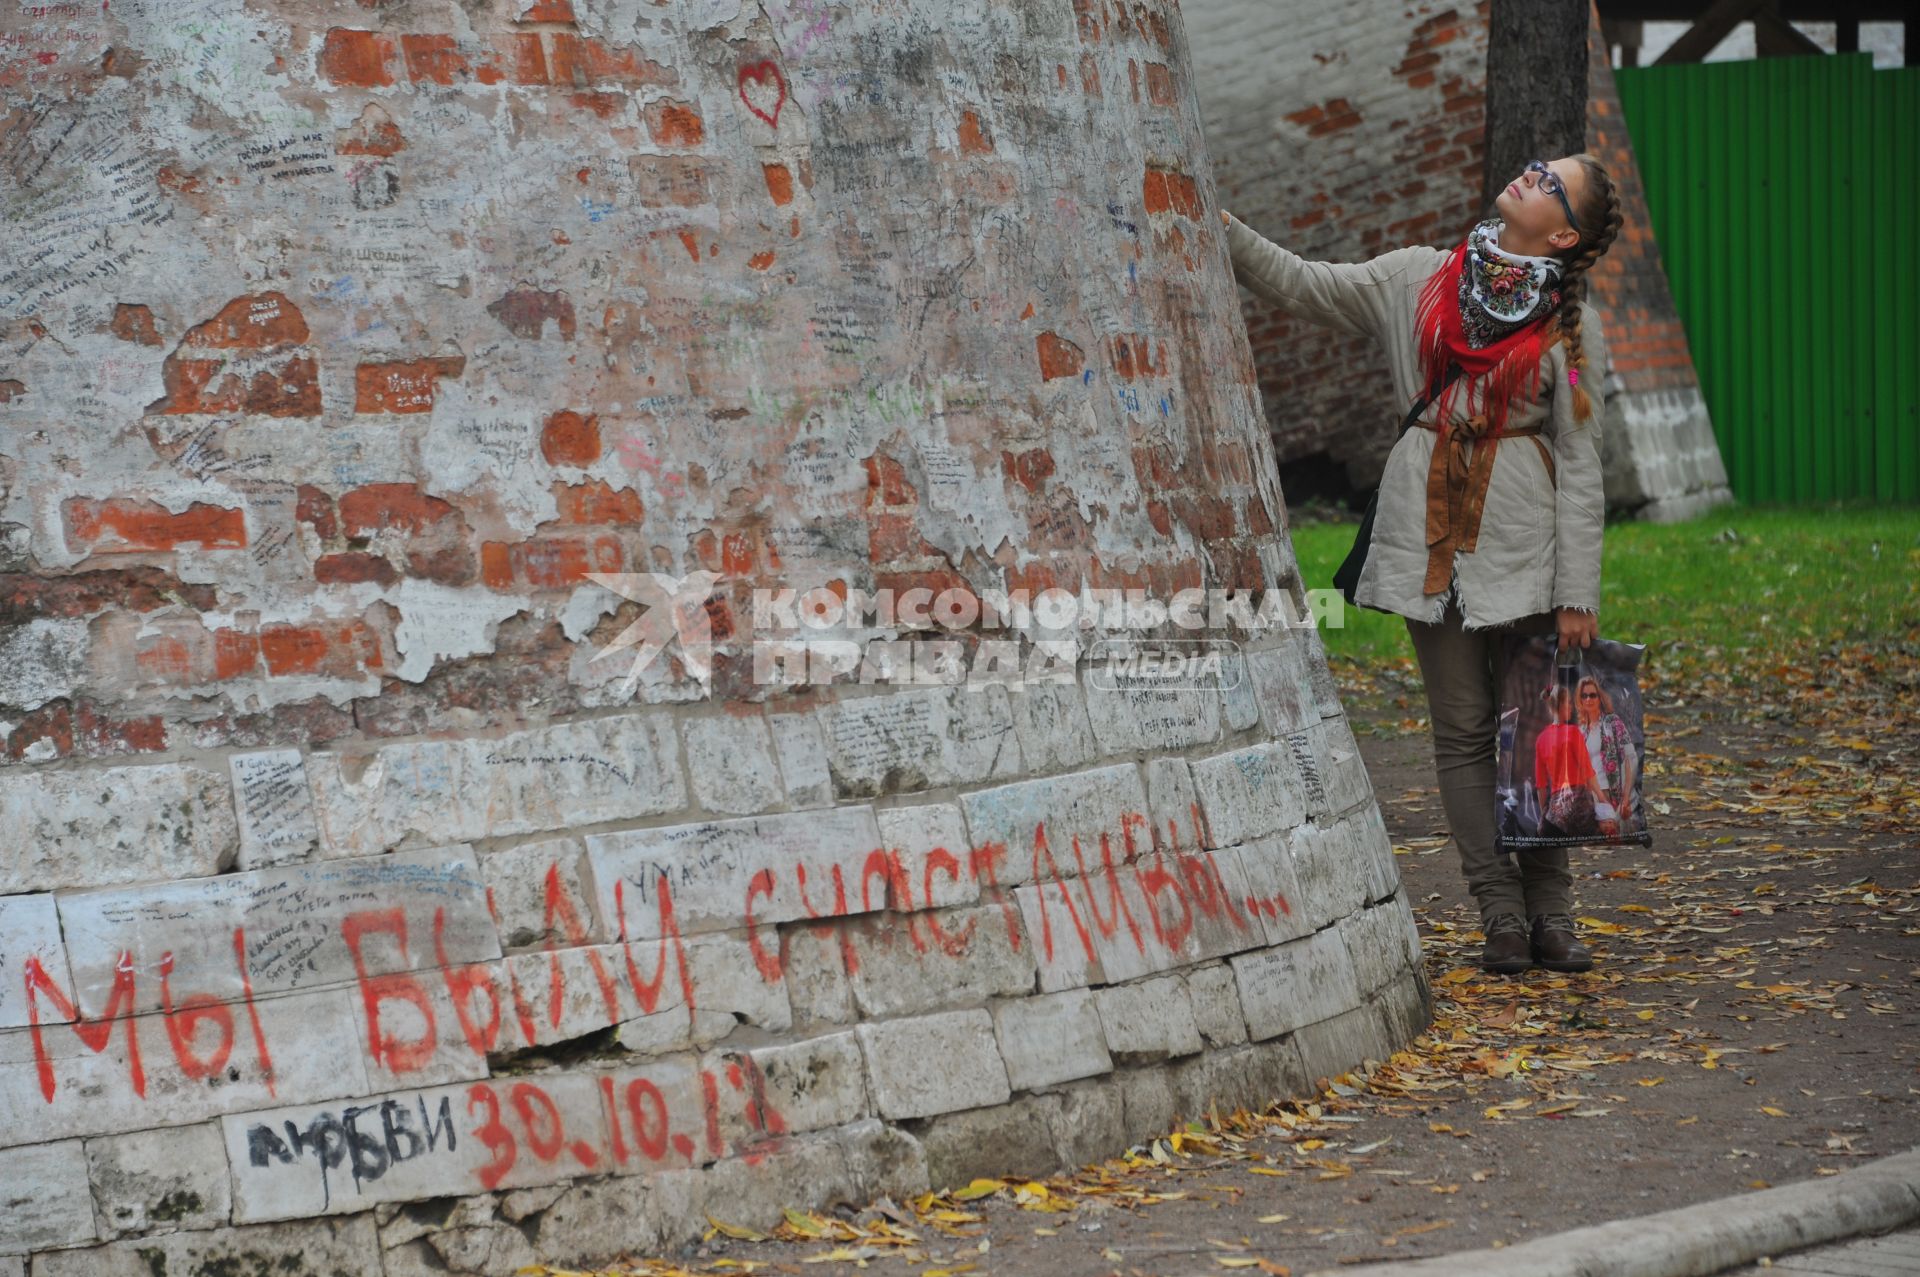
{"x": 1754, "y": 1018}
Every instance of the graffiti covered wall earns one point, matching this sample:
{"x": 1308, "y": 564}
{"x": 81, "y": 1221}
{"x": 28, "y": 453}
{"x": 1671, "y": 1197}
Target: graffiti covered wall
{"x": 355, "y": 911}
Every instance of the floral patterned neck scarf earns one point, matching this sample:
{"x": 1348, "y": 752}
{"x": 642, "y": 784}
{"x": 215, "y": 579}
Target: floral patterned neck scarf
{"x": 1501, "y": 292}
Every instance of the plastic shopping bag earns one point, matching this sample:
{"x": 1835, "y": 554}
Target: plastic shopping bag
{"x": 1572, "y": 746}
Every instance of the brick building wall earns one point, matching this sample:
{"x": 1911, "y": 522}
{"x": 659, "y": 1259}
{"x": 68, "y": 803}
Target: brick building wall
{"x": 343, "y": 346}
{"x": 1344, "y": 133}
{"x": 1659, "y": 453}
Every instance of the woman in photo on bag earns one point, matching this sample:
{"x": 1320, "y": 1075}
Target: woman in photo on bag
{"x": 1563, "y": 773}
{"x": 1489, "y": 516}
{"x": 1610, "y": 748}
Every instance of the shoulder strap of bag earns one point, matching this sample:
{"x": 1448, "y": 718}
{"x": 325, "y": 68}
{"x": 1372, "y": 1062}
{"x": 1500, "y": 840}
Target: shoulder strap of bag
{"x": 1426, "y": 396}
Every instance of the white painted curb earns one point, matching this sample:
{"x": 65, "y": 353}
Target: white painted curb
{"x": 1695, "y": 1241}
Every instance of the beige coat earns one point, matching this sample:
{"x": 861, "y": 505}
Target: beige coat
{"x": 1539, "y": 541}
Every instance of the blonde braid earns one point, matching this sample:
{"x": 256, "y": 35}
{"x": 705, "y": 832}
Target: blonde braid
{"x": 1599, "y": 208}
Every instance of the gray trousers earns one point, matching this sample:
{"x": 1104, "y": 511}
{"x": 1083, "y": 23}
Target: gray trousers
{"x": 1460, "y": 670}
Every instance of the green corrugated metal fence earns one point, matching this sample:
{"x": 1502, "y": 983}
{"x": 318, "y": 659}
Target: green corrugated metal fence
{"x": 1785, "y": 195}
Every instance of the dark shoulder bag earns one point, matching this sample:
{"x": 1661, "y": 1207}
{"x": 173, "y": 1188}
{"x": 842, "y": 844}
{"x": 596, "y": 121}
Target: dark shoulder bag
{"x": 1347, "y": 578}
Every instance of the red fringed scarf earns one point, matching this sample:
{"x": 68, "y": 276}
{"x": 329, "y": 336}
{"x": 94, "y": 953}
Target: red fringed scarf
{"x": 1513, "y": 362}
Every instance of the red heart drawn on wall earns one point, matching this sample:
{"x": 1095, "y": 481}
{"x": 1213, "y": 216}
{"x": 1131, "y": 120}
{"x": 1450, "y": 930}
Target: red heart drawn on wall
{"x": 759, "y": 73}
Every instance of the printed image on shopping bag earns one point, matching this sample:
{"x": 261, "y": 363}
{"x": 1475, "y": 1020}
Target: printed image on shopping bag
{"x": 1572, "y": 746}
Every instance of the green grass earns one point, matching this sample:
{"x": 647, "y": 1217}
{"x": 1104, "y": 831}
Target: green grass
{"x": 1741, "y": 588}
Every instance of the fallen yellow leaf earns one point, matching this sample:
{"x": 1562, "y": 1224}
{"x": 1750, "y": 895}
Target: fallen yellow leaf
{"x": 735, "y": 1231}
{"x": 978, "y": 1189}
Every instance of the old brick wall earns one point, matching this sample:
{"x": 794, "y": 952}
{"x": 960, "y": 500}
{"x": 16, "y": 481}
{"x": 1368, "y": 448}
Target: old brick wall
{"x": 1346, "y": 132}
{"x": 1342, "y": 132}
{"x": 356, "y": 918}
{"x": 1659, "y": 453}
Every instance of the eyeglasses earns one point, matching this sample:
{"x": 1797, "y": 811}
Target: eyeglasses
{"x": 1550, "y": 183}
{"x": 1589, "y": 696}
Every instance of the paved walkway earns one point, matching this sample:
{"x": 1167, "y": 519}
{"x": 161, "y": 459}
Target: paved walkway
{"x": 1891, "y": 1255}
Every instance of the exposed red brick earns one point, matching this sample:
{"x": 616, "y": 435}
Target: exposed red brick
{"x": 1184, "y": 195}
{"x": 1058, "y": 357}
{"x": 606, "y": 105}
{"x": 1259, "y": 522}
{"x": 973, "y": 138}
{"x": 374, "y": 133}
{"x": 1160, "y": 90}
{"x": 166, "y": 659}
{"x": 356, "y": 58}
{"x": 894, "y": 537}
{"x": 597, "y": 502}
{"x": 338, "y": 650}
{"x": 138, "y": 588}
{"x": 570, "y": 439}
{"x": 779, "y": 183}
{"x": 402, "y": 385}
{"x": 352, "y": 568}
{"x": 529, "y": 60}
{"x": 134, "y": 322}
{"x": 525, "y": 312}
{"x": 549, "y": 563}
{"x": 887, "y": 483}
{"x": 314, "y": 507}
{"x": 265, "y": 321}
{"x": 11, "y": 389}
{"x": 127, "y": 525}
{"x": 433, "y": 58}
{"x": 79, "y": 728}
{"x": 1131, "y": 356}
{"x": 1030, "y": 469}
{"x": 1209, "y": 516}
{"x": 734, "y": 554}
{"x": 581, "y": 63}
{"x": 674, "y": 123}
{"x": 1153, "y": 192}
{"x": 290, "y": 388}
{"x": 378, "y": 507}
{"x": 548, "y": 11}
{"x": 761, "y": 261}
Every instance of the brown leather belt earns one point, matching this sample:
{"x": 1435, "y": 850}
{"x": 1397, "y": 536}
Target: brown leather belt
{"x": 1457, "y": 490}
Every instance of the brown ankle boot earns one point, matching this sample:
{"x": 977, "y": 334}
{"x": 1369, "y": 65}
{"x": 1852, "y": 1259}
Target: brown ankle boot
{"x": 1506, "y": 951}
{"x": 1556, "y": 947}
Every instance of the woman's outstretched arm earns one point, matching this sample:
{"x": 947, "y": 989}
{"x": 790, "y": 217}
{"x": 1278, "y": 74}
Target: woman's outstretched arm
{"x": 1349, "y": 296}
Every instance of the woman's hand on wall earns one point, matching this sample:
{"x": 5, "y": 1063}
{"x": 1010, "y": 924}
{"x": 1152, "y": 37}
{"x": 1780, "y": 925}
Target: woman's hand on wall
{"x": 1577, "y": 628}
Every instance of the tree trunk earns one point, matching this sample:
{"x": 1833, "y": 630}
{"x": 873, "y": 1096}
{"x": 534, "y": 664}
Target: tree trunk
{"x": 1536, "y": 87}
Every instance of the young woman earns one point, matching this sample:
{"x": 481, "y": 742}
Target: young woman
{"x": 1610, "y": 749}
{"x": 1489, "y": 518}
